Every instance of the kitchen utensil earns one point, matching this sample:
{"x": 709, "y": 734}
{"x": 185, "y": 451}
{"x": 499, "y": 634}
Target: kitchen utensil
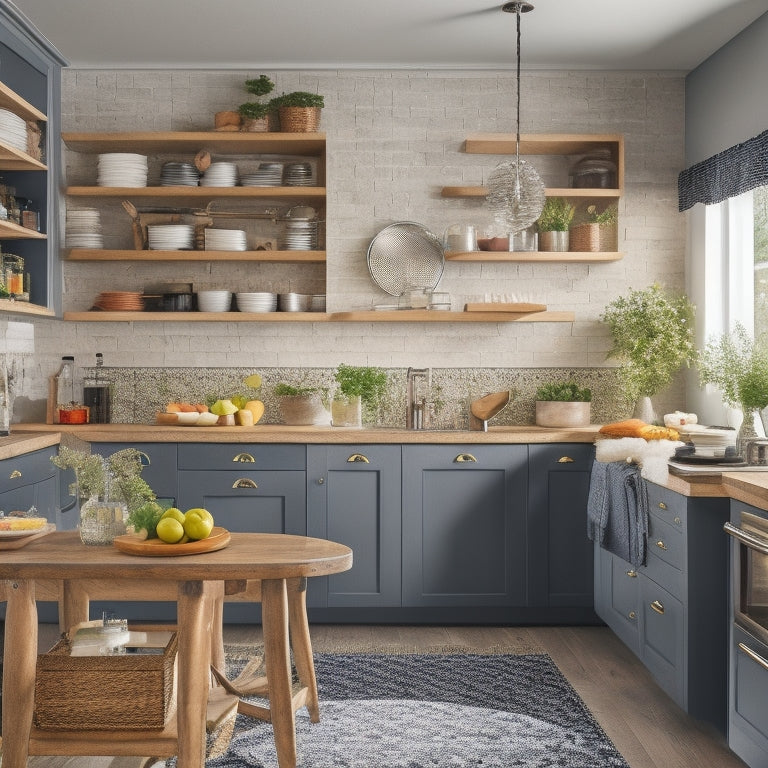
{"x": 405, "y": 254}
{"x": 484, "y": 409}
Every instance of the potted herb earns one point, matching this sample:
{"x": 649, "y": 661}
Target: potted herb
{"x": 299, "y": 111}
{"x": 737, "y": 366}
{"x": 652, "y": 336}
{"x": 585, "y": 236}
{"x": 553, "y": 224}
{"x": 256, "y": 114}
{"x": 563, "y": 404}
{"x": 358, "y": 386}
{"x": 301, "y": 405}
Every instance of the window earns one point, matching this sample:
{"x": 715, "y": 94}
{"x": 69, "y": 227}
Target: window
{"x": 760, "y": 215}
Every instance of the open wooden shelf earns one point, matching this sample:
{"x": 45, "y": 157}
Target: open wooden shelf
{"x": 11, "y": 100}
{"x": 93, "y": 254}
{"x": 363, "y": 316}
{"x": 549, "y": 257}
{"x": 454, "y": 192}
{"x": 12, "y": 159}
{"x": 24, "y": 308}
{"x": 9, "y": 230}
{"x": 201, "y": 193}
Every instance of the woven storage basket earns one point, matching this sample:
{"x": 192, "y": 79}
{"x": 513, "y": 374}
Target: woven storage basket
{"x": 585, "y": 237}
{"x": 299, "y": 119}
{"x": 132, "y": 691}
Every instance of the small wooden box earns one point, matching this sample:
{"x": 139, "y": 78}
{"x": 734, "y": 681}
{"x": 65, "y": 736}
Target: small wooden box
{"x": 132, "y": 691}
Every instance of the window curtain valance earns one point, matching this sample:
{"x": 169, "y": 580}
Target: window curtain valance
{"x": 727, "y": 174}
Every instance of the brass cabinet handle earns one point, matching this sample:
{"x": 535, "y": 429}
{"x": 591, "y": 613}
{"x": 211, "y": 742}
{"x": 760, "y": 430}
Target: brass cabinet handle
{"x": 358, "y": 458}
{"x": 632, "y": 615}
{"x": 464, "y": 457}
{"x": 565, "y": 460}
{"x": 16, "y": 473}
{"x": 632, "y": 574}
{"x": 678, "y": 521}
{"x": 657, "y": 606}
{"x": 244, "y": 458}
{"x": 661, "y": 545}
{"x": 756, "y": 657}
{"x": 662, "y": 505}
{"x": 244, "y": 482}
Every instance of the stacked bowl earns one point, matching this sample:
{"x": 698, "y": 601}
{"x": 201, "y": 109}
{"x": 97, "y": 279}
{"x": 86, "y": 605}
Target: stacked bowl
{"x": 122, "y": 169}
{"x": 258, "y": 301}
{"x": 220, "y": 175}
{"x": 214, "y": 301}
{"x": 170, "y": 237}
{"x": 225, "y": 240}
{"x": 293, "y": 302}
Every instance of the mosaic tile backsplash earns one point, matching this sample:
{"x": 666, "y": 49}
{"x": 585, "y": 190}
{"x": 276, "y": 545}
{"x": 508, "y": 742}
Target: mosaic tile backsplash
{"x": 139, "y": 393}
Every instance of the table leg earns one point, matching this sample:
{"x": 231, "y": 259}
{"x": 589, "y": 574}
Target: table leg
{"x": 74, "y": 604}
{"x": 277, "y": 658}
{"x": 302, "y": 644}
{"x": 195, "y": 611}
{"x": 20, "y": 659}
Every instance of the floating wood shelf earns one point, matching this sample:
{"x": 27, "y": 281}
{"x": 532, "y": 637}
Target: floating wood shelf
{"x": 12, "y": 159}
{"x": 92, "y": 254}
{"x": 200, "y": 193}
{"x": 548, "y": 257}
{"x": 453, "y": 192}
{"x": 9, "y": 230}
{"x": 18, "y": 105}
{"x": 24, "y": 308}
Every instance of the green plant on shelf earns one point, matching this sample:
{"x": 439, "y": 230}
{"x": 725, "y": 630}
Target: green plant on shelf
{"x": 564, "y": 391}
{"x": 556, "y": 216}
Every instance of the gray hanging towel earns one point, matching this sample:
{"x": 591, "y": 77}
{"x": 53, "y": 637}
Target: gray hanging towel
{"x": 617, "y": 510}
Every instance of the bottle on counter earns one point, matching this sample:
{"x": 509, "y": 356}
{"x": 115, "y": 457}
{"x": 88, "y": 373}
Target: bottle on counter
{"x": 96, "y": 393}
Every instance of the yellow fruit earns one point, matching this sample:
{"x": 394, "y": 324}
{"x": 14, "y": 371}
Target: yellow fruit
{"x": 256, "y": 407}
{"x": 198, "y": 523}
{"x": 244, "y": 418}
{"x": 201, "y": 512}
{"x": 175, "y": 513}
{"x": 170, "y": 530}
{"x": 253, "y": 381}
{"x": 224, "y": 408}
{"x": 239, "y": 401}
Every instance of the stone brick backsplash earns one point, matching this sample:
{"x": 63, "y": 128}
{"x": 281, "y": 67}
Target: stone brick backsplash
{"x": 138, "y": 393}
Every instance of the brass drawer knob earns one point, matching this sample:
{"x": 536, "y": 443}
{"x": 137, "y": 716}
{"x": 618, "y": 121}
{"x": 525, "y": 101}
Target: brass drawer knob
{"x": 632, "y": 615}
{"x": 244, "y": 458}
{"x": 16, "y": 473}
{"x": 358, "y": 458}
{"x": 464, "y": 457}
{"x": 662, "y": 505}
{"x": 658, "y": 607}
{"x": 565, "y": 460}
{"x": 632, "y": 574}
{"x": 244, "y": 482}
{"x": 661, "y": 545}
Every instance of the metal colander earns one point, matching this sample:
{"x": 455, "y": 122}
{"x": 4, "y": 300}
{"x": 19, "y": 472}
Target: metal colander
{"x": 405, "y": 255}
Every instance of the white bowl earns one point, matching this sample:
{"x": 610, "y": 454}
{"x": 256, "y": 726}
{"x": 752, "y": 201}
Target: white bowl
{"x": 214, "y": 301}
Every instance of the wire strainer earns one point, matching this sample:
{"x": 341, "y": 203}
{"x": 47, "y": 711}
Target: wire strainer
{"x": 403, "y": 255}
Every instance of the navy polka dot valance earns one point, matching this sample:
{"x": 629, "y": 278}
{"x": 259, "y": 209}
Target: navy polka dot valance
{"x": 727, "y": 174}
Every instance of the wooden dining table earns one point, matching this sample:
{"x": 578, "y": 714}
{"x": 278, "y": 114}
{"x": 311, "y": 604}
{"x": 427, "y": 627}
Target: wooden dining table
{"x": 276, "y": 561}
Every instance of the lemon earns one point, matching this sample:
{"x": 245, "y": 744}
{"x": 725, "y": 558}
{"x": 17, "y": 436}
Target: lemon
{"x": 170, "y": 530}
{"x": 224, "y": 408}
{"x": 175, "y": 513}
{"x": 253, "y": 381}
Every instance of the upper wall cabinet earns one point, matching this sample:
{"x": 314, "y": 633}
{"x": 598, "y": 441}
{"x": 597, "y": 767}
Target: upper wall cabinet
{"x": 558, "y": 154}
{"x": 30, "y": 89}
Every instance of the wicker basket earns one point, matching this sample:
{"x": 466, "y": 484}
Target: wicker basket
{"x": 108, "y": 693}
{"x": 585, "y": 238}
{"x": 299, "y": 119}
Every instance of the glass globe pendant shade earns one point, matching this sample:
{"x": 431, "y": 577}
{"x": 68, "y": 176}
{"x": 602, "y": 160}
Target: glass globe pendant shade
{"x": 516, "y": 195}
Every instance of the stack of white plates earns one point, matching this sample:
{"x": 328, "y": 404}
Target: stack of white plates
{"x": 298, "y": 175}
{"x": 214, "y": 301}
{"x": 122, "y": 169}
{"x": 317, "y": 302}
{"x": 266, "y": 175}
{"x": 293, "y": 302}
{"x": 220, "y": 175}
{"x": 179, "y": 175}
{"x": 170, "y": 237}
{"x": 257, "y": 302}
{"x": 713, "y": 441}
{"x": 300, "y": 235}
{"x": 225, "y": 240}
{"x": 83, "y": 229}
{"x": 13, "y": 130}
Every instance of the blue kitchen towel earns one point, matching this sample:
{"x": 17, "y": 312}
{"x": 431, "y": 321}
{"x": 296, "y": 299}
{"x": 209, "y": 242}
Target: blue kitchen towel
{"x": 617, "y": 510}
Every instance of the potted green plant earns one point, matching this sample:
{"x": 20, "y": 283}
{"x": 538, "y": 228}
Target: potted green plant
{"x": 652, "y": 336}
{"x": 737, "y": 366}
{"x": 553, "y": 224}
{"x": 357, "y": 387}
{"x": 585, "y": 235}
{"x": 299, "y": 111}
{"x": 301, "y": 405}
{"x": 255, "y": 114}
{"x": 563, "y": 404}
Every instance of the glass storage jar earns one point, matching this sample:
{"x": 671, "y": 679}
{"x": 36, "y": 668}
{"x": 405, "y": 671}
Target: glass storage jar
{"x": 596, "y": 170}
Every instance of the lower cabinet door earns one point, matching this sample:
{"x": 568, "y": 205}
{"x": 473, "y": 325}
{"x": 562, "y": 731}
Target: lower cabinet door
{"x": 748, "y": 726}
{"x": 464, "y": 534}
{"x": 617, "y": 596}
{"x": 662, "y": 641}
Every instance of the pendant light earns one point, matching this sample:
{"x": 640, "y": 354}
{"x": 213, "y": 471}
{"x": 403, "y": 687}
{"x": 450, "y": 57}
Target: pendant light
{"x": 516, "y": 193}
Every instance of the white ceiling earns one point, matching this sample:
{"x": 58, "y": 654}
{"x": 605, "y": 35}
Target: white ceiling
{"x": 392, "y": 34}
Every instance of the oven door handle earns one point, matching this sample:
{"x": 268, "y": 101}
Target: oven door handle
{"x": 750, "y": 539}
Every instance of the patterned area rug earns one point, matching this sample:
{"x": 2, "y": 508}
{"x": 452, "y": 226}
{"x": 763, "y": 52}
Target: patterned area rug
{"x": 441, "y": 710}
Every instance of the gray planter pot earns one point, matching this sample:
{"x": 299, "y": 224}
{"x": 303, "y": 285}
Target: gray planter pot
{"x": 553, "y": 241}
{"x": 556, "y": 413}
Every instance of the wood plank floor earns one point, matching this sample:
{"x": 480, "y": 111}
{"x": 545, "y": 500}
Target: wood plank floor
{"x": 647, "y": 727}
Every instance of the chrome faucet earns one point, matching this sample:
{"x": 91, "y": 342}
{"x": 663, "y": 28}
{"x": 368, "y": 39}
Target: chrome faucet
{"x": 417, "y": 413}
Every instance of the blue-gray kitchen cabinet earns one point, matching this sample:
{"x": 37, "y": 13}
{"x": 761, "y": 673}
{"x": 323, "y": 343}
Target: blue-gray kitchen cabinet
{"x": 464, "y": 528}
{"x": 353, "y": 497}
{"x": 560, "y": 555}
{"x": 672, "y": 611}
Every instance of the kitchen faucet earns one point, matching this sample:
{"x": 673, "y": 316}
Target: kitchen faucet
{"x": 416, "y": 414}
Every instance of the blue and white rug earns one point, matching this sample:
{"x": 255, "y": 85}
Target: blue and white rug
{"x": 435, "y": 711}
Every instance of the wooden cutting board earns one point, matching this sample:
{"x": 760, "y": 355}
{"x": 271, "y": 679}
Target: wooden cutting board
{"x": 21, "y": 541}
{"x": 133, "y": 545}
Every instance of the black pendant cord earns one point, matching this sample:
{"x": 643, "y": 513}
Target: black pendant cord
{"x": 517, "y": 139}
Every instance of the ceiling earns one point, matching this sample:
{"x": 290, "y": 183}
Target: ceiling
{"x": 392, "y": 34}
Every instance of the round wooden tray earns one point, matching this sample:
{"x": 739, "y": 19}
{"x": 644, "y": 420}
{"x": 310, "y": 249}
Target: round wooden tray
{"x": 133, "y": 545}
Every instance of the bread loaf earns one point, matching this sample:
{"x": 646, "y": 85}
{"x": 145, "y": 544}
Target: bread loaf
{"x": 638, "y": 428}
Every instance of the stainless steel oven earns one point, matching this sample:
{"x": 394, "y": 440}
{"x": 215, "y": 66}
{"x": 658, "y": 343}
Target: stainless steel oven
{"x": 750, "y": 572}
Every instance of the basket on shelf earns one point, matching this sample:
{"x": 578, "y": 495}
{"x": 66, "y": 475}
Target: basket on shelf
{"x": 299, "y": 119}
{"x": 584, "y": 237}
{"x": 132, "y": 691}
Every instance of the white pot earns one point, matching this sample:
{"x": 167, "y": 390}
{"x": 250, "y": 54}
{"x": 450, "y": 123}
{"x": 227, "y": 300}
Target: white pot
{"x": 556, "y": 413}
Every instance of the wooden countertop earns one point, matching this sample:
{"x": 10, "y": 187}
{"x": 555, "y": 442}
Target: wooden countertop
{"x": 17, "y": 444}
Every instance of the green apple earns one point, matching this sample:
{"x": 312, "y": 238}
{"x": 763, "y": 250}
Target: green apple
{"x": 224, "y": 408}
{"x": 170, "y": 530}
{"x": 175, "y": 513}
{"x": 198, "y": 523}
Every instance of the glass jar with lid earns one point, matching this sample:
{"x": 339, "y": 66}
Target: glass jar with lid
{"x": 596, "y": 170}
